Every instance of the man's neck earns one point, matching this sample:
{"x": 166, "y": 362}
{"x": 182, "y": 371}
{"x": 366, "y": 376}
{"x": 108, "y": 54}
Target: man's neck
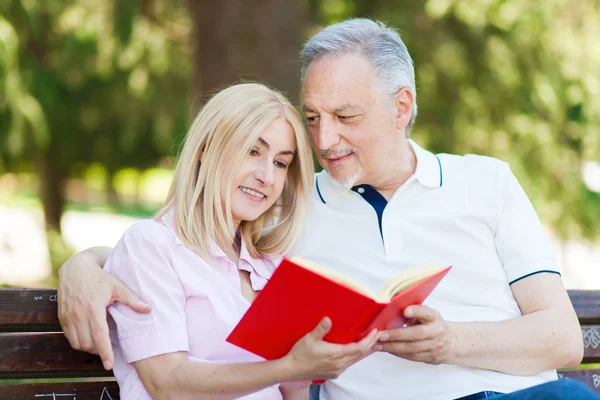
{"x": 396, "y": 174}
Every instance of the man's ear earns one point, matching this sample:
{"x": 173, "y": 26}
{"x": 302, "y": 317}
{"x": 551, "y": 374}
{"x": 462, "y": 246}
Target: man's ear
{"x": 403, "y": 102}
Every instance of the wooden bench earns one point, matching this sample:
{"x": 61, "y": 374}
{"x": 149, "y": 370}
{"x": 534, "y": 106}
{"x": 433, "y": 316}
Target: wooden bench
{"x": 33, "y": 347}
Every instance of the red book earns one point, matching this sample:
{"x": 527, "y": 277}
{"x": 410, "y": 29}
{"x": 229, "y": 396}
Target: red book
{"x": 300, "y": 293}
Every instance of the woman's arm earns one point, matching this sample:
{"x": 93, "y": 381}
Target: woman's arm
{"x": 295, "y": 390}
{"x": 173, "y": 376}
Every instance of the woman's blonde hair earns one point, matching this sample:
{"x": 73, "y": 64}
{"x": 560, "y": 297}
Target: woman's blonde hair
{"x": 224, "y": 130}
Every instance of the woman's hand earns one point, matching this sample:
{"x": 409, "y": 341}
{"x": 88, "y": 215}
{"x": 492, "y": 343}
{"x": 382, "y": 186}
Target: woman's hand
{"x": 312, "y": 358}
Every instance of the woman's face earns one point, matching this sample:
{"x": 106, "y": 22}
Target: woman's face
{"x": 259, "y": 181}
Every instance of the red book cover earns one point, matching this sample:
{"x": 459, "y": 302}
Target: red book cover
{"x": 296, "y": 298}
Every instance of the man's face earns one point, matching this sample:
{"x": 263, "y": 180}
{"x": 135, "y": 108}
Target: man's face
{"x": 353, "y": 127}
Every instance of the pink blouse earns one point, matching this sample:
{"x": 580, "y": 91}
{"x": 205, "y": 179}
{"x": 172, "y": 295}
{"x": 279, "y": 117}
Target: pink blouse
{"x": 195, "y": 304}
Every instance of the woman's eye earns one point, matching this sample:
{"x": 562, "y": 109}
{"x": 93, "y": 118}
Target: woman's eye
{"x": 280, "y": 164}
{"x": 253, "y": 152}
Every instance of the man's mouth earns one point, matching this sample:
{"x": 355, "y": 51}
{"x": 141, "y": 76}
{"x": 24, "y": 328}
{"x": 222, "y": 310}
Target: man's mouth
{"x": 338, "y": 158}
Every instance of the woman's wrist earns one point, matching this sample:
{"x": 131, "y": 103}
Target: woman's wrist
{"x": 287, "y": 370}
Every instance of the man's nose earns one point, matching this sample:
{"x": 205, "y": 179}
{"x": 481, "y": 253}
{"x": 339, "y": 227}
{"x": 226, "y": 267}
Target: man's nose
{"x": 329, "y": 136}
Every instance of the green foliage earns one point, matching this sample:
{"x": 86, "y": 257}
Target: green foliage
{"x": 84, "y": 82}
{"x": 517, "y": 80}
{"x": 96, "y": 81}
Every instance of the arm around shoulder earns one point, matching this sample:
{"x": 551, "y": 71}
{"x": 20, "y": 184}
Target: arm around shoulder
{"x": 84, "y": 292}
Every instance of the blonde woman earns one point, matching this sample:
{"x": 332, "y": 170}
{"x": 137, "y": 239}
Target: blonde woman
{"x": 237, "y": 200}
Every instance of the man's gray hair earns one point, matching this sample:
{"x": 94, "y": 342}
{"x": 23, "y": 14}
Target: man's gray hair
{"x": 379, "y": 44}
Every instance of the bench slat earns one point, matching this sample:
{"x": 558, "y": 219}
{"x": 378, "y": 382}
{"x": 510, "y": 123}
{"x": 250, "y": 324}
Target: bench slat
{"x": 35, "y": 310}
{"x": 589, "y": 377}
{"x": 44, "y": 355}
{"x": 28, "y": 310}
{"x": 63, "y": 391}
{"x": 587, "y": 305}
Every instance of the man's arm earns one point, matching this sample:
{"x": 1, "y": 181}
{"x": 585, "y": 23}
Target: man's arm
{"x": 84, "y": 293}
{"x": 547, "y": 336}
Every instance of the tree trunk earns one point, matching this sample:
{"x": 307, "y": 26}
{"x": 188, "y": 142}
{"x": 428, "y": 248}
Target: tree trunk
{"x": 52, "y": 180}
{"x": 254, "y": 40}
{"x": 111, "y": 191}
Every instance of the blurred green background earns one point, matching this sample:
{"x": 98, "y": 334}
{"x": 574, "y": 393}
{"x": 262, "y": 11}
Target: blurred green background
{"x": 95, "y": 96}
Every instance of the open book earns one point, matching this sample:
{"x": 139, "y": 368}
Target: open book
{"x": 300, "y": 293}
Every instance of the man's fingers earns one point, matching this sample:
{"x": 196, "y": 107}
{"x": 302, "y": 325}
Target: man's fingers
{"x": 71, "y": 334}
{"x": 101, "y": 338}
{"x": 421, "y": 313}
{"x": 84, "y": 337}
{"x": 408, "y": 334}
{"x": 123, "y": 295}
{"x": 406, "y": 349}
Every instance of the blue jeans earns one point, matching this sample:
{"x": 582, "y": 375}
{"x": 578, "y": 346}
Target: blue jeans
{"x": 565, "y": 389}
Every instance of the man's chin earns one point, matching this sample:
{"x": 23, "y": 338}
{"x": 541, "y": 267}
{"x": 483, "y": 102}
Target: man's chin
{"x": 346, "y": 180}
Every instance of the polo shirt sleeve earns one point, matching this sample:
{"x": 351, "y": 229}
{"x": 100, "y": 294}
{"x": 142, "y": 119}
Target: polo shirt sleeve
{"x": 522, "y": 244}
{"x": 141, "y": 260}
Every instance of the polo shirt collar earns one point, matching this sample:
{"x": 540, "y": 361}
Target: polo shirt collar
{"x": 428, "y": 173}
{"x": 429, "y": 167}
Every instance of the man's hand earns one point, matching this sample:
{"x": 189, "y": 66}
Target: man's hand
{"x": 429, "y": 341}
{"x": 84, "y": 293}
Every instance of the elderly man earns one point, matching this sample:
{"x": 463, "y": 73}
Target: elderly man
{"x": 501, "y": 320}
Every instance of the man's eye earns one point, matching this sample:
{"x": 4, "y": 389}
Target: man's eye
{"x": 346, "y": 117}
{"x": 312, "y": 120}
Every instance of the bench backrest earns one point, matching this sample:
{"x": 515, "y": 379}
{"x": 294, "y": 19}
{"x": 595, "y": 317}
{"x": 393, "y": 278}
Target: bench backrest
{"x": 32, "y": 346}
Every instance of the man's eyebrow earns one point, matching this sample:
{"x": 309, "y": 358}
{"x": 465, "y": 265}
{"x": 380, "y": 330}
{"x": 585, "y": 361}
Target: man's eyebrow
{"x": 285, "y": 152}
{"x": 344, "y": 108}
{"x": 339, "y": 109}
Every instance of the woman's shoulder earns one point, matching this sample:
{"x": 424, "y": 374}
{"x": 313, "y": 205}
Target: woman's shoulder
{"x": 149, "y": 230}
{"x": 146, "y": 245}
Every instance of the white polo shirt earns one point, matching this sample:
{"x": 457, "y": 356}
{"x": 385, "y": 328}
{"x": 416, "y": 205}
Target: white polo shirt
{"x": 466, "y": 211}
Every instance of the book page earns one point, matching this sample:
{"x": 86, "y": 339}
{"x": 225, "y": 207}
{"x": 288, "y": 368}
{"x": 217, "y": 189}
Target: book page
{"x": 335, "y": 276}
{"x": 406, "y": 279}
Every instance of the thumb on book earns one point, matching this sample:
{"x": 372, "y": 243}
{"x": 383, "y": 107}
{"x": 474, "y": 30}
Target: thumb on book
{"x": 322, "y": 328}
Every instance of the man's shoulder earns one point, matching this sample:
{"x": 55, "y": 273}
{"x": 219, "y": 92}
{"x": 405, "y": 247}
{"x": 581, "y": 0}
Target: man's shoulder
{"x": 472, "y": 160}
{"x": 474, "y": 166}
